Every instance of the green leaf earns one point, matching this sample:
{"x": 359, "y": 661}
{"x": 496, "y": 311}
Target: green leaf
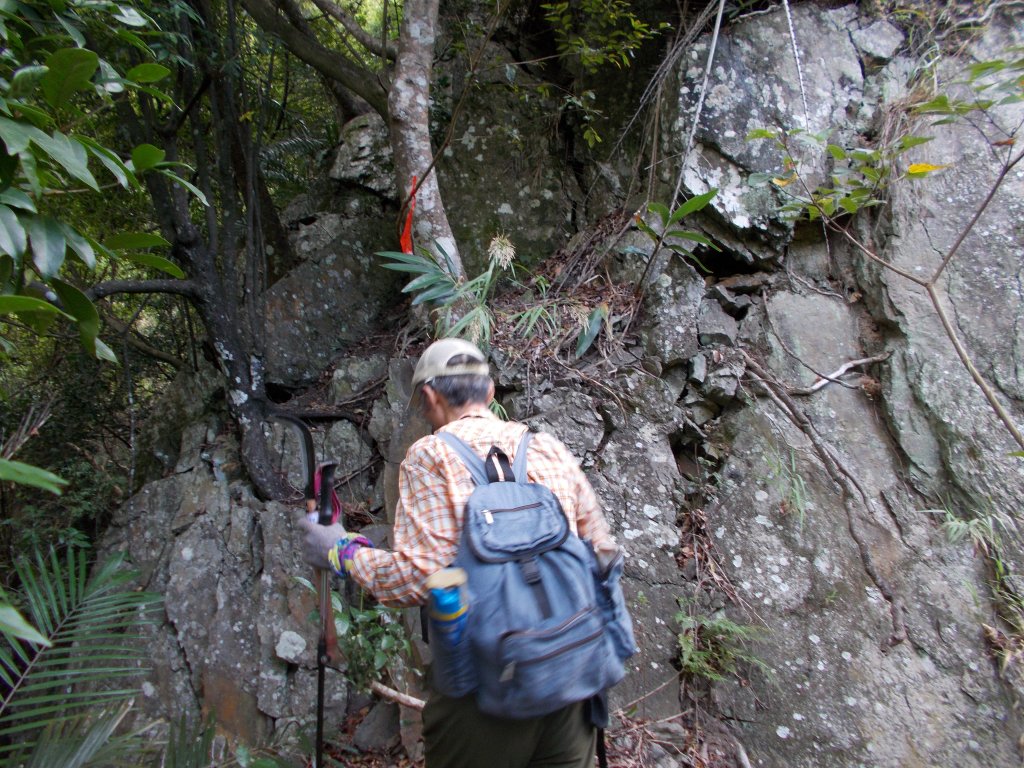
{"x": 131, "y": 17}
{"x": 694, "y": 236}
{"x": 1018, "y": 454}
{"x": 80, "y": 245}
{"x": 109, "y": 81}
{"x": 17, "y": 135}
{"x": 131, "y": 240}
{"x": 15, "y": 304}
{"x": 13, "y": 624}
{"x": 700, "y": 264}
{"x": 26, "y": 79}
{"x": 48, "y": 244}
{"x": 837, "y": 152}
{"x": 441, "y": 293}
{"x": 759, "y": 179}
{"x": 428, "y": 280}
{"x": 645, "y": 228}
{"x": 760, "y": 133}
{"x": 593, "y": 328}
{"x": 17, "y": 198}
{"x": 849, "y": 204}
{"x": 26, "y": 474}
{"x": 102, "y": 352}
{"x": 145, "y": 156}
{"x": 70, "y": 70}
{"x": 73, "y": 31}
{"x": 70, "y": 154}
{"x": 78, "y": 304}
{"x": 692, "y": 205}
{"x": 12, "y": 234}
{"x": 157, "y": 262}
{"x": 111, "y": 161}
{"x": 907, "y": 142}
{"x": 659, "y": 208}
{"x": 198, "y": 193}
{"x": 147, "y": 73}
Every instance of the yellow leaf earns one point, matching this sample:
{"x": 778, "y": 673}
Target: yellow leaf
{"x": 920, "y": 169}
{"x": 782, "y": 182}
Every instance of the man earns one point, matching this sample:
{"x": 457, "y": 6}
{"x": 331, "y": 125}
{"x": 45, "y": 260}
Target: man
{"x": 452, "y": 386}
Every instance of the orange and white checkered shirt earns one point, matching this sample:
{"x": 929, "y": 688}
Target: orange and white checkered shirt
{"x": 433, "y": 486}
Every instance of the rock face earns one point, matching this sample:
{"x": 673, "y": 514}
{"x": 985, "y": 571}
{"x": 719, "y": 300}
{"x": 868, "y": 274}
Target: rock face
{"x": 871, "y": 635}
{"x": 740, "y": 482}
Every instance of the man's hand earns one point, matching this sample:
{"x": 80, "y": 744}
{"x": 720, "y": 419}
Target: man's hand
{"x": 318, "y": 540}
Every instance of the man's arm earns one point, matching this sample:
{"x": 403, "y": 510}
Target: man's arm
{"x": 426, "y": 536}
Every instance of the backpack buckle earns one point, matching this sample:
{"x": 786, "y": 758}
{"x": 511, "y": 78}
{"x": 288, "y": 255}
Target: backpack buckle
{"x": 531, "y": 571}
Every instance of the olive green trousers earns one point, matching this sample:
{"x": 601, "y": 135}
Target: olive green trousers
{"x": 458, "y": 735}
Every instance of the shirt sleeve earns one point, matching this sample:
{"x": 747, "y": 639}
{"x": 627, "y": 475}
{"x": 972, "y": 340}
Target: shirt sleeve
{"x": 426, "y": 537}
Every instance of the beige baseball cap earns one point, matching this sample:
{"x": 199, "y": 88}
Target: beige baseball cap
{"x": 436, "y": 361}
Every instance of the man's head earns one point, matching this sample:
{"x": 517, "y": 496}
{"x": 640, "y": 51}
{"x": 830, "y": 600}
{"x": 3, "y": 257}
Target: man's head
{"x": 451, "y": 375}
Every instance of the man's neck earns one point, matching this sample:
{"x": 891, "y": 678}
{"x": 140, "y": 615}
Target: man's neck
{"x": 468, "y": 410}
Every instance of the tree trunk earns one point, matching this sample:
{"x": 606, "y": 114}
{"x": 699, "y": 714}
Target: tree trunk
{"x": 409, "y": 126}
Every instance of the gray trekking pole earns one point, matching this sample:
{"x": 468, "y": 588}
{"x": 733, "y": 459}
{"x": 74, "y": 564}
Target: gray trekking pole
{"x": 325, "y": 516}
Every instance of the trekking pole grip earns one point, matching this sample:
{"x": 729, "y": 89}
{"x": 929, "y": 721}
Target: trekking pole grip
{"x": 325, "y": 507}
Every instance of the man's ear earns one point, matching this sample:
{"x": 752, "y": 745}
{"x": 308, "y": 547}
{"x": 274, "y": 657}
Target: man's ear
{"x": 429, "y": 396}
{"x": 490, "y": 392}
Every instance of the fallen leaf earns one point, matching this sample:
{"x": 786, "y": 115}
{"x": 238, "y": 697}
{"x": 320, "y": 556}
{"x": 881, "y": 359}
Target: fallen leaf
{"x": 920, "y": 169}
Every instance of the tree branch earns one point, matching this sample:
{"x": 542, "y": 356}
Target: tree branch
{"x": 172, "y": 128}
{"x": 965, "y": 358}
{"x": 185, "y": 288}
{"x": 359, "y": 80}
{"x": 129, "y": 335}
{"x": 377, "y": 47}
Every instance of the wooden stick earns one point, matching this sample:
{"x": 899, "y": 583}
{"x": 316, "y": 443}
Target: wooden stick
{"x": 402, "y": 698}
{"x": 824, "y": 381}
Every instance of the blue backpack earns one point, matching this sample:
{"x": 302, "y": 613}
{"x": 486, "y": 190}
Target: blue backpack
{"x": 546, "y": 626}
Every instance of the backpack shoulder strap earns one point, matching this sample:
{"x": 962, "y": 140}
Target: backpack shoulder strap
{"x": 519, "y": 465}
{"x": 473, "y": 463}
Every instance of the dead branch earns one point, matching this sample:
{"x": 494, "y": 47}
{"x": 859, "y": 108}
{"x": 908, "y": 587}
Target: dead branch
{"x": 129, "y": 335}
{"x": 824, "y": 381}
{"x": 29, "y": 427}
{"x": 392, "y": 695}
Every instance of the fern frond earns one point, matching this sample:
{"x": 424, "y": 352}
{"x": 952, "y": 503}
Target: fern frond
{"x": 90, "y": 623}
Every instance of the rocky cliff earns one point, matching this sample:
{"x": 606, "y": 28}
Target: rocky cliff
{"x": 750, "y": 473}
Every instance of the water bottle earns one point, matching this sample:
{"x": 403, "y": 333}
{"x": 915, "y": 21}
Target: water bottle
{"x": 448, "y": 605}
{"x": 448, "y": 608}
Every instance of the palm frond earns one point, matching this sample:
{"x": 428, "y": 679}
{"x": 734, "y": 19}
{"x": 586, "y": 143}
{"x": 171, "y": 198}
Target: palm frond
{"x": 89, "y": 622}
{"x": 74, "y": 743}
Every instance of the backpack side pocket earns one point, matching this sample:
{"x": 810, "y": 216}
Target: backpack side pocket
{"x": 612, "y": 603}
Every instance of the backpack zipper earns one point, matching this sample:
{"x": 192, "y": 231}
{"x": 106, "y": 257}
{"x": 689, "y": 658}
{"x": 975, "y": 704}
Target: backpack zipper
{"x": 509, "y": 670}
{"x": 489, "y": 513}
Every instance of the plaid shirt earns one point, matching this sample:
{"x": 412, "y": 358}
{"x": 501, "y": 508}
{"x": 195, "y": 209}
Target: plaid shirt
{"x": 433, "y": 486}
